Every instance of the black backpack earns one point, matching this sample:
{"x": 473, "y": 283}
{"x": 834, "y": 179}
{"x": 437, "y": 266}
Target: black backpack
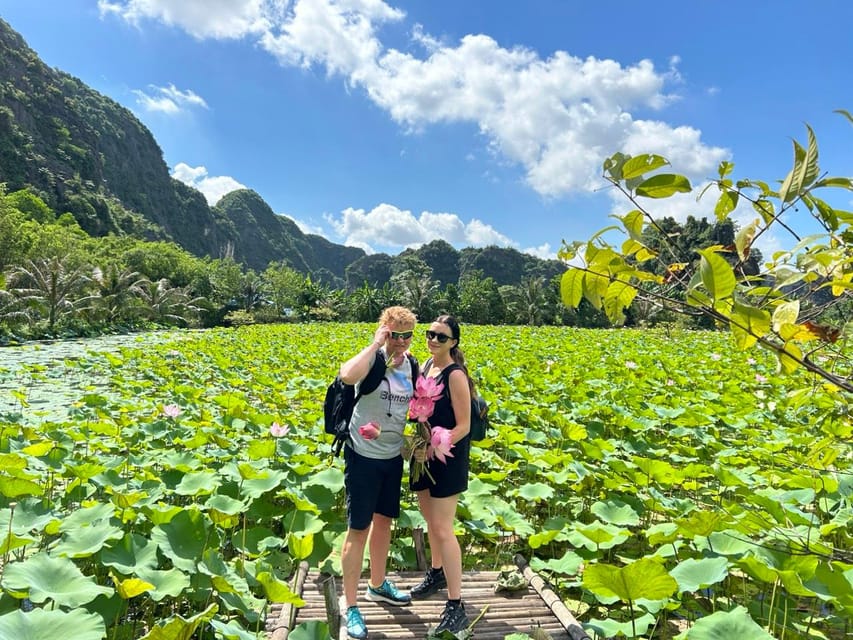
{"x": 341, "y": 399}
{"x": 479, "y": 412}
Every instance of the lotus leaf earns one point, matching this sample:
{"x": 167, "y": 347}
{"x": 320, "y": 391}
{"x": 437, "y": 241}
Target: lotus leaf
{"x": 615, "y": 512}
{"x": 233, "y": 630}
{"x": 693, "y": 574}
{"x": 314, "y": 630}
{"x": 184, "y": 538}
{"x": 613, "y": 629}
{"x": 644, "y": 578}
{"x": 598, "y": 535}
{"x": 536, "y": 491}
{"x": 198, "y": 483}
{"x": 169, "y": 583}
{"x": 40, "y": 623}
{"x": 86, "y": 541}
{"x": 42, "y": 577}
{"x": 724, "y": 625}
{"x": 180, "y": 628}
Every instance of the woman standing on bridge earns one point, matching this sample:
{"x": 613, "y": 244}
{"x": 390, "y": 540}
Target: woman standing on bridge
{"x": 438, "y": 492}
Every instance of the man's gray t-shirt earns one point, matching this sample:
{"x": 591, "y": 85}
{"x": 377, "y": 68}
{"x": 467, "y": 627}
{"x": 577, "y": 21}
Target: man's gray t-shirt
{"x": 387, "y": 406}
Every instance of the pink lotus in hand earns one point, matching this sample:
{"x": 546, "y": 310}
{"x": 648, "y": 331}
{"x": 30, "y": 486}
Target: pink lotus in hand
{"x": 277, "y": 430}
{"x": 370, "y": 431}
{"x": 427, "y": 387}
{"x": 440, "y": 444}
{"x": 421, "y": 408}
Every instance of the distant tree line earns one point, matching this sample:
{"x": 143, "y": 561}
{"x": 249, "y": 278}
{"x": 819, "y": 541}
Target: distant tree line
{"x": 58, "y": 281}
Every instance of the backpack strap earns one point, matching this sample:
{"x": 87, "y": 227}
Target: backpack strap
{"x": 416, "y": 369}
{"x": 374, "y": 377}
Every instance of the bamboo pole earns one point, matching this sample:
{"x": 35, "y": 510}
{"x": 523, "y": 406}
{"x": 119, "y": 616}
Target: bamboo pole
{"x": 557, "y": 606}
{"x": 284, "y": 624}
{"x": 420, "y": 548}
{"x": 333, "y": 607}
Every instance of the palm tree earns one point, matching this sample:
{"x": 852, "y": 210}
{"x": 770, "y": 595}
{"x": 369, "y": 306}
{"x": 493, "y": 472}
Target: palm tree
{"x": 51, "y": 287}
{"x": 167, "y": 304}
{"x": 364, "y": 303}
{"x": 10, "y": 311}
{"x": 116, "y": 292}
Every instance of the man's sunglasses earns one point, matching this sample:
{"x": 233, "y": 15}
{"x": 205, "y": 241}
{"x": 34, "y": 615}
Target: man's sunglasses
{"x": 401, "y": 335}
{"x": 441, "y": 337}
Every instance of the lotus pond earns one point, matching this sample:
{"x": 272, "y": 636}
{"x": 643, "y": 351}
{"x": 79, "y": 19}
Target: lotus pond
{"x": 664, "y": 482}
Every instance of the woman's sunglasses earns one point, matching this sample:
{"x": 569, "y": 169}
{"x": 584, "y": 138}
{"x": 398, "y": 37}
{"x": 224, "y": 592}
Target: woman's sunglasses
{"x": 401, "y": 335}
{"x": 441, "y": 337}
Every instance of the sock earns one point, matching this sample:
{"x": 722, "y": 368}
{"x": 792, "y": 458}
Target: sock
{"x": 436, "y": 570}
{"x": 455, "y": 603}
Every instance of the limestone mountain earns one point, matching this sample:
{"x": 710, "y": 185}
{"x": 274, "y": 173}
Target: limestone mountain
{"x": 82, "y": 152}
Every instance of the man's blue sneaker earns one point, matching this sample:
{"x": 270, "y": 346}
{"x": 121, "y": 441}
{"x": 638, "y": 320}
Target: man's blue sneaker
{"x": 356, "y": 629}
{"x": 387, "y": 592}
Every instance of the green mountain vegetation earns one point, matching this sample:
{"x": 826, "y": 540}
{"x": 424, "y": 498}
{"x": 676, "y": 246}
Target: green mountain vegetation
{"x": 95, "y": 235}
{"x": 83, "y": 153}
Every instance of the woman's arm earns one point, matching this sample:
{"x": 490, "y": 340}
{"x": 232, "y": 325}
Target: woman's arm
{"x": 357, "y": 367}
{"x": 460, "y": 399}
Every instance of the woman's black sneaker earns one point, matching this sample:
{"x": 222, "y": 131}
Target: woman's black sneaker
{"x": 433, "y": 581}
{"x": 453, "y": 619}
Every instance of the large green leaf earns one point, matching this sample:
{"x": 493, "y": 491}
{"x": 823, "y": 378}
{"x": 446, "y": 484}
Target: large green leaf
{"x": 693, "y": 574}
{"x": 169, "y": 583}
{"x": 717, "y": 274}
{"x": 58, "y": 579}
{"x": 571, "y": 287}
{"x": 597, "y": 535}
{"x": 614, "y": 629}
{"x": 180, "y": 628}
{"x": 184, "y": 538}
{"x": 86, "y": 541}
{"x": 39, "y": 624}
{"x": 534, "y": 491}
{"x": 748, "y": 324}
{"x": 198, "y": 483}
{"x": 642, "y": 164}
{"x": 663, "y": 185}
{"x": 615, "y": 512}
{"x": 644, "y": 578}
{"x": 725, "y": 625}
{"x": 313, "y": 630}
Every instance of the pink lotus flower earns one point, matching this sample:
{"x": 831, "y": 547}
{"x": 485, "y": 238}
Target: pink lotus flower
{"x": 421, "y": 408}
{"x": 427, "y": 387}
{"x": 440, "y": 444}
{"x": 277, "y": 430}
{"x": 171, "y": 410}
{"x": 370, "y": 431}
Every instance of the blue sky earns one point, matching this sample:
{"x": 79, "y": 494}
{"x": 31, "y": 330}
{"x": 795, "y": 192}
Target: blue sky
{"x": 388, "y": 124}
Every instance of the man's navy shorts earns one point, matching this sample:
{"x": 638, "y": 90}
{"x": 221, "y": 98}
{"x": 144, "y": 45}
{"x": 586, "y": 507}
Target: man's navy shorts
{"x": 373, "y": 486}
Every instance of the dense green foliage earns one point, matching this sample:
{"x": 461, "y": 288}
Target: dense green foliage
{"x": 661, "y": 480}
{"x": 799, "y": 304}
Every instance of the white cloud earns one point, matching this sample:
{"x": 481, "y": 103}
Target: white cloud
{"x": 543, "y": 251}
{"x": 304, "y": 227}
{"x": 169, "y": 100}
{"x": 200, "y": 18}
{"x": 213, "y": 187}
{"x": 556, "y": 117}
{"x": 389, "y": 227}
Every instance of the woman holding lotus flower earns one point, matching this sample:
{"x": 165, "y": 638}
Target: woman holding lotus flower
{"x": 443, "y": 403}
{"x": 373, "y": 462}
